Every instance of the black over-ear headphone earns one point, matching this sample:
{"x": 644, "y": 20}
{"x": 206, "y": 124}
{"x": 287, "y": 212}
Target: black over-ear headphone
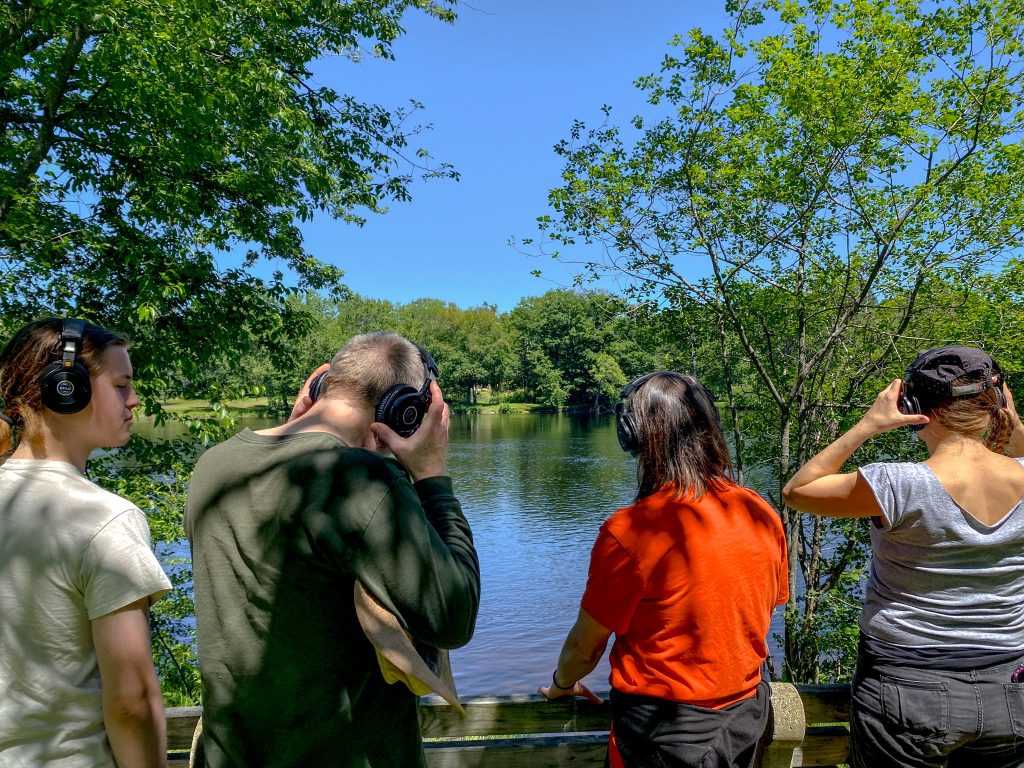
{"x": 402, "y": 407}
{"x": 625, "y": 426}
{"x": 65, "y": 382}
{"x": 317, "y": 384}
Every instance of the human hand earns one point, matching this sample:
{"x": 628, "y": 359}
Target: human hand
{"x": 550, "y": 692}
{"x": 1016, "y": 445}
{"x": 424, "y": 452}
{"x": 303, "y": 402}
{"x": 884, "y": 414}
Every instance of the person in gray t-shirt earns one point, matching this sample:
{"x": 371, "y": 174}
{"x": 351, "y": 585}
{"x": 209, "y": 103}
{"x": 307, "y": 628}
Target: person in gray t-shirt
{"x": 942, "y": 626}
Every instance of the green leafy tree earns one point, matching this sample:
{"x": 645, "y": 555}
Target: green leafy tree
{"x": 562, "y": 332}
{"x": 358, "y": 314}
{"x": 607, "y": 377}
{"x": 807, "y": 189}
{"x": 145, "y": 131}
{"x": 140, "y": 142}
{"x": 469, "y": 345}
{"x": 548, "y": 382}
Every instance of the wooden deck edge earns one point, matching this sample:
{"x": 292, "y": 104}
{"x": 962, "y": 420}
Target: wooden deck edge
{"x": 808, "y": 727}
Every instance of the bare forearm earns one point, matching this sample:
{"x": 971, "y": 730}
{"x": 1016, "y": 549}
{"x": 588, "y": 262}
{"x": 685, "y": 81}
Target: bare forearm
{"x": 136, "y": 730}
{"x": 1015, "y": 447}
{"x": 820, "y": 488}
{"x": 576, "y": 662}
{"x": 831, "y": 459}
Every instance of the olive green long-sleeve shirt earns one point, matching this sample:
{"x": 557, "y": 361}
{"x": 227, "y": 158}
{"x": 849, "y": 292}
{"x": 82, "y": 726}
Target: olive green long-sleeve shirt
{"x": 280, "y": 529}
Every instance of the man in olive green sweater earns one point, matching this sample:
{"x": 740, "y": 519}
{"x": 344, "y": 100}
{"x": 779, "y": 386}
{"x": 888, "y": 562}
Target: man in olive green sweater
{"x": 282, "y": 522}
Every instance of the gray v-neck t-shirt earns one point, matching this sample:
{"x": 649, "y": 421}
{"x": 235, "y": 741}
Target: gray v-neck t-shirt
{"x": 940, "y": 577}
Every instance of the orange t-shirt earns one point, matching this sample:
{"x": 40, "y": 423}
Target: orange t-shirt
{"x": 688, "y": 588}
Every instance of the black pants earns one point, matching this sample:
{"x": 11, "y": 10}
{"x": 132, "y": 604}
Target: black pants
{"x": 657, "y": 733}
{"x": 903, "y": 717}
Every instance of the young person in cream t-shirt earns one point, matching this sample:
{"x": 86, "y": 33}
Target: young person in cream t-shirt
{"x": 77, "y": 575}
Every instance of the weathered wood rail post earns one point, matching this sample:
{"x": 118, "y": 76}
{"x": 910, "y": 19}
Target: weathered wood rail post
{"x": 808, "y": 728}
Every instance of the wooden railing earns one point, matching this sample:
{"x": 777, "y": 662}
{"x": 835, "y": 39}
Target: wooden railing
{"x": 808, "y": 728}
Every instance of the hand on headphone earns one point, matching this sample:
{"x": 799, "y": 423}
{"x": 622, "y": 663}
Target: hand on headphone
{"x": 884, "y": 414}
{"x": 1016, "y": 445}
{"x": 423, "y": 453}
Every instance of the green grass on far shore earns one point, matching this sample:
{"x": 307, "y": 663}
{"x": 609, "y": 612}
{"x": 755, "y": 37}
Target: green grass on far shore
{"x": 260, "y": 406}
{"x": 253, "y": 406}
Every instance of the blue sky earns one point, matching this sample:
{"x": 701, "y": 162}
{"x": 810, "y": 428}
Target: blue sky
{"x": 501, "y": 86}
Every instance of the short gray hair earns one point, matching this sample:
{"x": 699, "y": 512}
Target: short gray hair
{"x": 372, "y": 363}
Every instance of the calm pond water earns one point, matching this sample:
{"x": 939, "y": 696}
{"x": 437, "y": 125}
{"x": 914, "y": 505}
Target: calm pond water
{"x": 535, "y": 489}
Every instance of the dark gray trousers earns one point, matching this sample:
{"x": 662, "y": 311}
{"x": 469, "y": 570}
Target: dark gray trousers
{"x": 904, "y": 717}
{"x": 657, "y": 733}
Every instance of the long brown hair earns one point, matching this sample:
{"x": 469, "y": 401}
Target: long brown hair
{"x": 679, "y": 434}
{"x": 30, "y": 350}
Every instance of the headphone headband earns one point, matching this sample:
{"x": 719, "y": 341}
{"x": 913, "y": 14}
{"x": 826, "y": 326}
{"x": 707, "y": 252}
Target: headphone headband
{"x": 317, "y": 384}
{"x": 429, "y": 364}
{"x": 71, "y": 335}
{"x": 639, "y": 381}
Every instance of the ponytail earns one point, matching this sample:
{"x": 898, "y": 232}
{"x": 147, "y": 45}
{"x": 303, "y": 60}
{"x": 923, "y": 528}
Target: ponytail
{"x": 999, "y": 431}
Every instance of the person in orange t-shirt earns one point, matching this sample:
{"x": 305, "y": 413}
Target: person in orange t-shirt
{"x": 687, "y": 579}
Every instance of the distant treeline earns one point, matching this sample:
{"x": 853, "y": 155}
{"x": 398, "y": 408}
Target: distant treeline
{"x": 562, "y": 349}
{"x": 565, "y": 348}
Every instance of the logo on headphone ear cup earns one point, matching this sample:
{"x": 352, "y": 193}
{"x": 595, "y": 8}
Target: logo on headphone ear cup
{"x": 65, "y": 383}
{"x": 65, "y": 390}
{"x": 402, "y": 408}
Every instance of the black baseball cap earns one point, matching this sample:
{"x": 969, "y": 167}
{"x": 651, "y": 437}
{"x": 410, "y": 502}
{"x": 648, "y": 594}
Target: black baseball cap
{"x": 930, "y": 377}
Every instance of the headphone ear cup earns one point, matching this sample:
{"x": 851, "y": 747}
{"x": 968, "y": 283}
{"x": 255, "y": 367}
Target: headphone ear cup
{"x": 65, "y": 390}
{"x": 625, "y": 430}
{"x": 316, "y": 386}
{"x": 998, "y": 387}
{"x": 402, "y": 409}
{"x": 908, "y": 404}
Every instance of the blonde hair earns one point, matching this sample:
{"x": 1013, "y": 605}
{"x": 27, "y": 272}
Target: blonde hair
{"x": 35, "y": 345}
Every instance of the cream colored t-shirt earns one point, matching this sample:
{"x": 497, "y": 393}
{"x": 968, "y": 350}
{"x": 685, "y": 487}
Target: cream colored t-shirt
{"x": 70, "y": 552}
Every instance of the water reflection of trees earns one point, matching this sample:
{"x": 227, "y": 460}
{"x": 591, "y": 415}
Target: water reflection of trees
{"x": 552, "y": 468}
